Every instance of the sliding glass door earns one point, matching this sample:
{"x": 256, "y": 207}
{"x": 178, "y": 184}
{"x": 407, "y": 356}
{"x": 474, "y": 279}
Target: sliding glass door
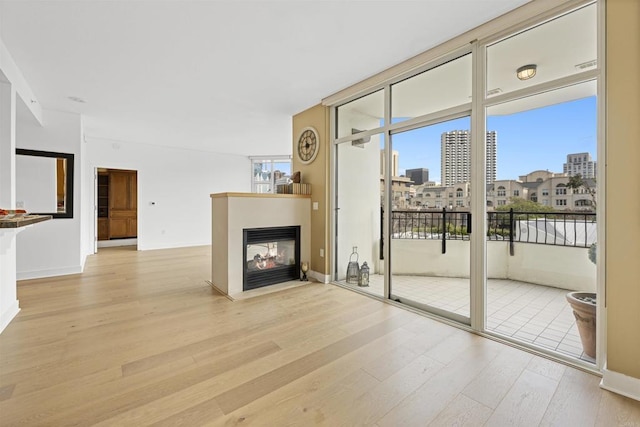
{"x": 430, "y": 218}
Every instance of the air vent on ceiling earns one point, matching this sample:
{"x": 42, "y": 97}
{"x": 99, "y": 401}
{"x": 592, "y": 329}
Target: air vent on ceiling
{"x": 586, "y": 65}
{"x": 76, "y": 99}
{"x": 494, "y": 91}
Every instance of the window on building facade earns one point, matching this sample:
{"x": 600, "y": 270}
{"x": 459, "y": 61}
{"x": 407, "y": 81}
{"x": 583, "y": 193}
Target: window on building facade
{"x": 502, "y": 202}
{"x": 516, "y": 193}
{"x": 502, "y": 192}
{"x": 459, "y": 192}
{"x": 561, "y": 202}
{"x": 545, "y": 192}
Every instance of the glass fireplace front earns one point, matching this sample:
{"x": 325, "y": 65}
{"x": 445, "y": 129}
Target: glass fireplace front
{"x": 271, "y": 255}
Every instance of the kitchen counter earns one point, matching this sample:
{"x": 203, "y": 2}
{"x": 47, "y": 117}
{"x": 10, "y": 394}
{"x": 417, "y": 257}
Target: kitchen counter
{"x": 23, "y": 221}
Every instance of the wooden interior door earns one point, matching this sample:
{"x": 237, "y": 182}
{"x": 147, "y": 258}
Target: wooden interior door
{"x": 123, "y": 204}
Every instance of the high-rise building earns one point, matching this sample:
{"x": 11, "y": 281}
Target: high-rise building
{"x": 580, "y": 163}
{"x": 418, "y": 176}
{"x": 456, "y": 157}
{"x": 492, "y": 156}
{"x": 394, "y": 163}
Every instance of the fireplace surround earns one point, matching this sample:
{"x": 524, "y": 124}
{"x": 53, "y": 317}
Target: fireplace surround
{"x": 231, "y": 214}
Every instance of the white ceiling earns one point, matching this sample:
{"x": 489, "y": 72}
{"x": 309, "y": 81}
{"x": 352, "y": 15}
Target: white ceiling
{"x": 222, "y": 76}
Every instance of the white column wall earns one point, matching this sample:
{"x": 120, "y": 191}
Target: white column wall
{"x": 7, "y": 145}
{"x": 9, "y": 305}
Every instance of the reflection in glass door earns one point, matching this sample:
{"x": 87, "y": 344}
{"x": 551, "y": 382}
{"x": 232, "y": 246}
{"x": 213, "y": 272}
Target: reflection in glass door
{"x": 430, "y": 218}
{"x": 358, "y": 221}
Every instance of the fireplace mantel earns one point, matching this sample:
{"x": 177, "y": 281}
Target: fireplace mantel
{"x": 231, "y": 213}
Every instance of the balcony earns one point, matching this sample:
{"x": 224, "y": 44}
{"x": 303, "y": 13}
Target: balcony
{"x": 533, "y": 260}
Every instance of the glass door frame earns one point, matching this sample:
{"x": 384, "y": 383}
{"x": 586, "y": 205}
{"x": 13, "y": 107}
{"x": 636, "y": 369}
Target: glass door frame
{"x": 429, "y": 120}
{"x": 477, "y": 108}
{"x": 387, "y": 130}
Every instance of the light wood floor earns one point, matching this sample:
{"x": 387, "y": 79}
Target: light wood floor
{"x": 141, "y": 339}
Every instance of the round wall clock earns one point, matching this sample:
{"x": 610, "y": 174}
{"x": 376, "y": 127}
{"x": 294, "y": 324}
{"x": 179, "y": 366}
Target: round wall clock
{"x": 308, "y": 145}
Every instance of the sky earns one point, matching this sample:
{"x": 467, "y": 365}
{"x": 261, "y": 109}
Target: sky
{"x": 538, "y": 139}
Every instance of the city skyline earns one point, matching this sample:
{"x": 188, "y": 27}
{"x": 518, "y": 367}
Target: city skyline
{"x": 537, "y": 139}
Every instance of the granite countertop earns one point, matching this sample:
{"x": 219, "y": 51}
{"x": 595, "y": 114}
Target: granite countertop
{"x": 23, "y": 221}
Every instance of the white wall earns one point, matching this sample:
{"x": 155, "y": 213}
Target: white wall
{"x": 359, "y": 203}
{"x": 36, "y": 183}
{"x": 425, "y": 257}
{"x": 178, "y": 181}
{"x": 563, "y": 267}
{"x": 87, "y": 219}
{"x": 52, "y": 247}
{"x": 558, "y": 266}
{"x": 9, "y": 306}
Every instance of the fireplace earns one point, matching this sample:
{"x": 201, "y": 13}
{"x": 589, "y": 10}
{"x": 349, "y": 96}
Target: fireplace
{"x": 271, "y": 255}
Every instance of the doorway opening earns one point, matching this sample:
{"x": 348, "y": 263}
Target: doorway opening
{"x": 116, "y": 207}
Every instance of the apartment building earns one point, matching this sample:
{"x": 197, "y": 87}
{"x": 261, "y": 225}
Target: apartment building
{"x": 455, "y": 156}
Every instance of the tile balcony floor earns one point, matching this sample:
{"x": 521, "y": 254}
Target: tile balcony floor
{"x": 534, "y": 314}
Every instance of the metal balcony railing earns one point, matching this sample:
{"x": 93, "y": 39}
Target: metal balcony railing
{"x": 576, "y": 229}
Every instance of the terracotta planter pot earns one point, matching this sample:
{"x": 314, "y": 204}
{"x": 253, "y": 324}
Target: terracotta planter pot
{"x": 584, "y": 310}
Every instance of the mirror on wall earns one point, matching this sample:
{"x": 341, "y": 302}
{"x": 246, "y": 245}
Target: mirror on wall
{"x": 44, "y": 182}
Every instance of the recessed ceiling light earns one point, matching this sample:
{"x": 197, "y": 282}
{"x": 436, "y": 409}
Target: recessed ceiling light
{"x": 76, "y": 99}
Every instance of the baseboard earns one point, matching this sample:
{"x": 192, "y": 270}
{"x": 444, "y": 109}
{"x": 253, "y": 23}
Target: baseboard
{"x": 38, "y": 274}
{"x": 146, "y": 247}
{"x": 116, "y": 242}
{"x": 7, "y": 316}
{"x": 322, "y": 278}
{"x": 620, "y": 384}
{"x": 220, "y": 291}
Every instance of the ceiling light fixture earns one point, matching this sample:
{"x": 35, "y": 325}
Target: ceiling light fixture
{"x": 526, "y": 71}
{"x": 76, "y": 99}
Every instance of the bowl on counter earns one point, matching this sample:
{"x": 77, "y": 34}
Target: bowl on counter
{"x": 12, "y": 213}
